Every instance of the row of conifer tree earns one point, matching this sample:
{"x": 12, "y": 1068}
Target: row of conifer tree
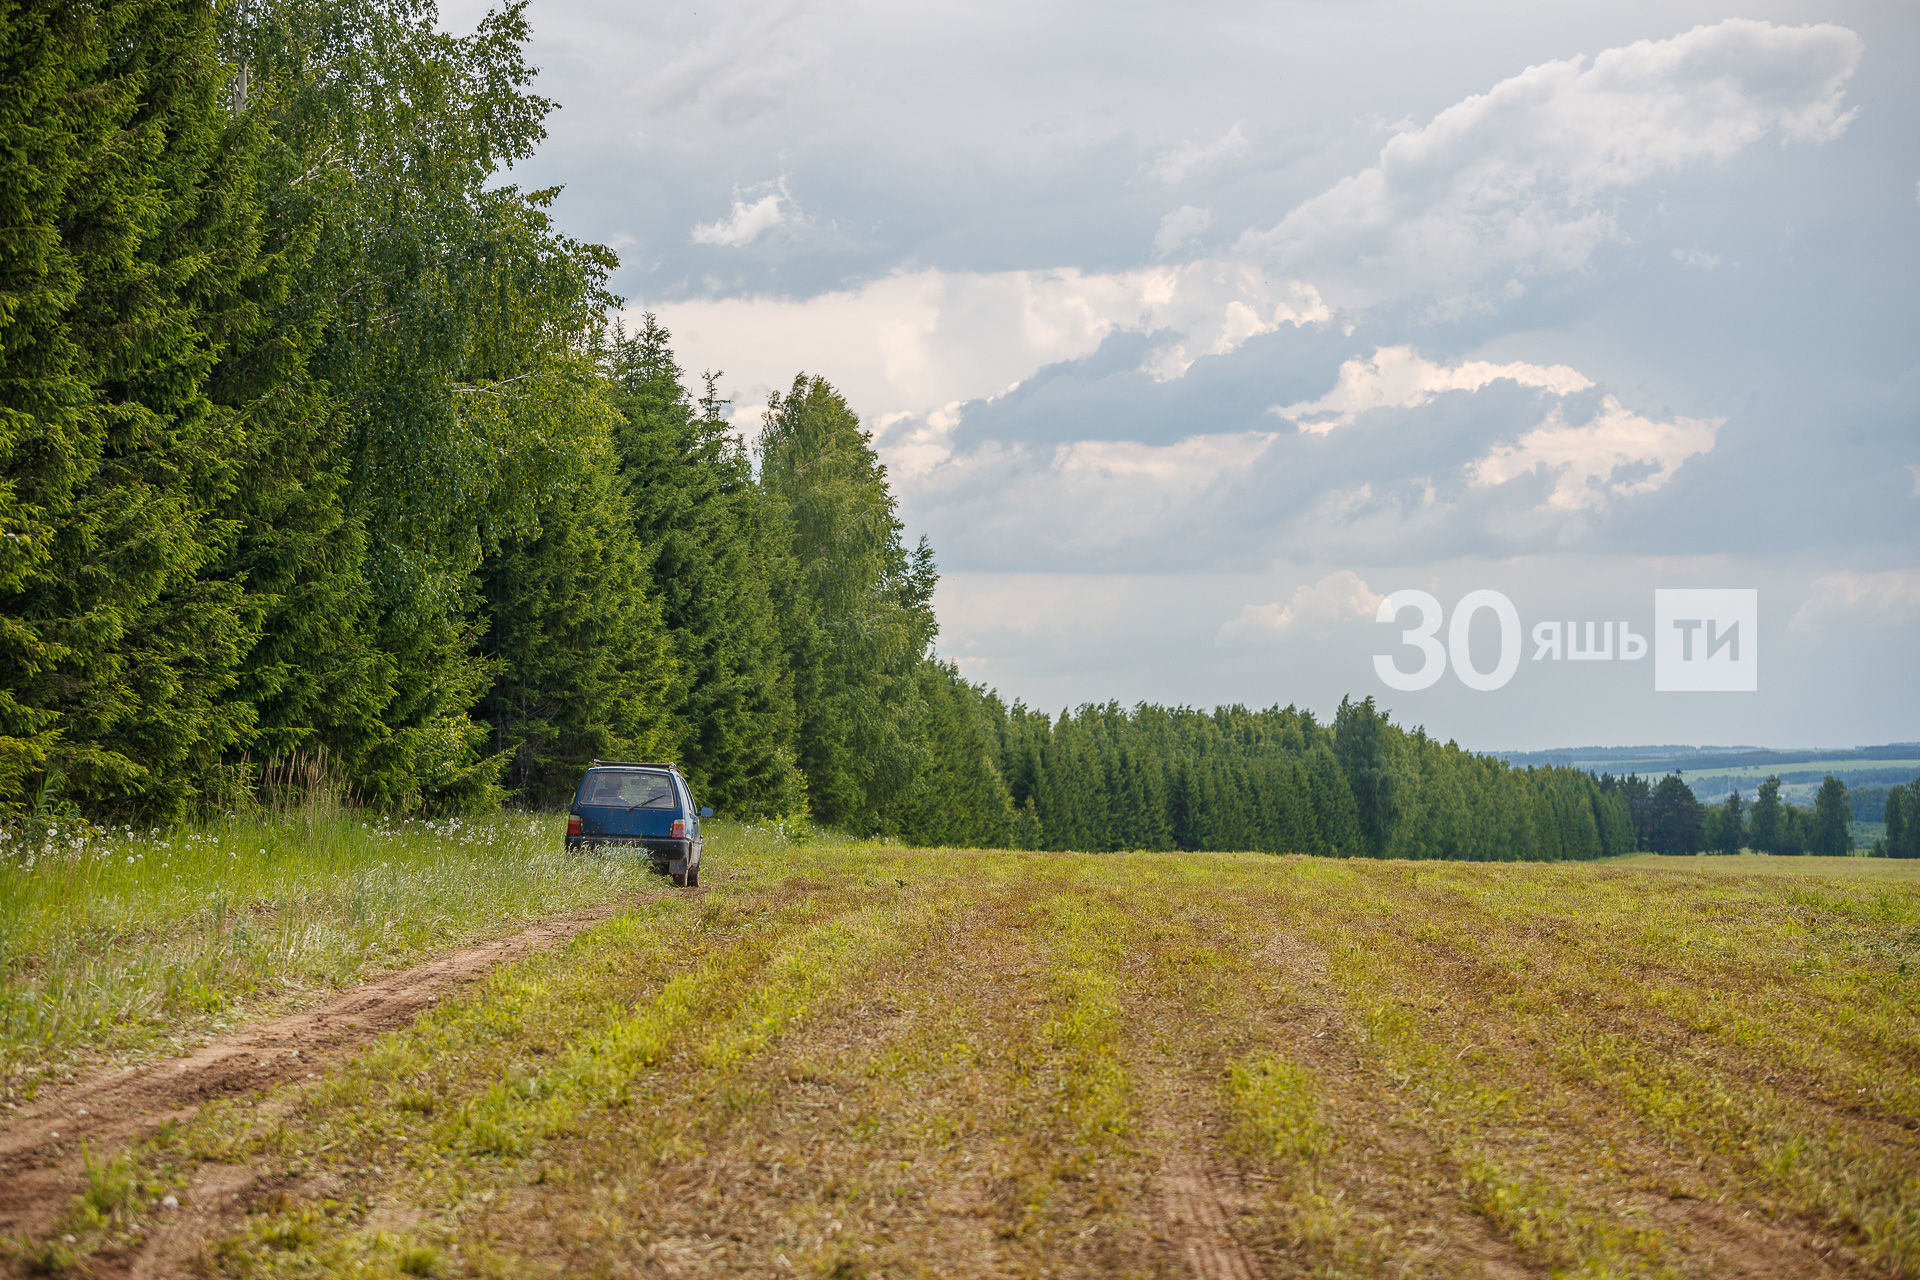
{"x": 319, "y": 458}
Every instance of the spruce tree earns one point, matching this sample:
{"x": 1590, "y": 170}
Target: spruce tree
{"x": 717, "y": 560}
{"x": 1361, "y": 744}
{"x": 1831, "y": 833}
{"x": 958, "y": 797}
{"x": 1766, "y": 827}
{"x": 1733, "y": 833}
{"x": 1675, "y": 818}
{"x": 584, "y": 666}
{"x": 130, "y": 236}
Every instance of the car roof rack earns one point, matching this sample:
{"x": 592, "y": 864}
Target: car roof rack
{"x": 636, "y": 764}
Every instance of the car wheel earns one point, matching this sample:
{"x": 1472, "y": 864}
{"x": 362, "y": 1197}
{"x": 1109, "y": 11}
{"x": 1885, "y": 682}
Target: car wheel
{"x": 693, "y": 876}
{"x": 681, "y": 879}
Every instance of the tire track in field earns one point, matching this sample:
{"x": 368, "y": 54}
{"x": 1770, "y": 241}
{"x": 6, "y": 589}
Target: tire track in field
{"x": 752, "y": 1163}
{"x": 1198, "y": 1207}
{"x": 716, "y": 1024}
{"x": 41, "y": 1163}
{"x": 1417, "y": 990}
{"x": 221, "y": 1196}
{"x": 1205, "y": 990}
{"x": 1196, "y": 1196}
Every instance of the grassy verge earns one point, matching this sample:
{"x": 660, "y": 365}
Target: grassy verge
{"x": 118, "y": 943}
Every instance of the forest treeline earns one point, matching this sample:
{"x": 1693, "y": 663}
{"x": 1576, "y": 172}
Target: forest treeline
{"x": 1668, "y": 818}
{"x": 319, "y": 457}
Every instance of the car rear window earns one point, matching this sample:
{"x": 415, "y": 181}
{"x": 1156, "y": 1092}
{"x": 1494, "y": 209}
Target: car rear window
{"x": 628, "y": 790}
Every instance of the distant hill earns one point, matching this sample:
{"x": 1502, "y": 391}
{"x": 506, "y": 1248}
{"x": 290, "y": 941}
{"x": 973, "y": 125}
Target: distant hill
{"x": 1713, "y": 771}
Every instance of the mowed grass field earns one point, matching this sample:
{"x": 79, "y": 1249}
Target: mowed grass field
{"x": 859, "y": 1060}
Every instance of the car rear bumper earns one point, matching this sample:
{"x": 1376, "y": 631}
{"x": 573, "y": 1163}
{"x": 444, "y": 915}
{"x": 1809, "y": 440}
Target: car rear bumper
{"x": 668, "y": 853}
{"x": 661, "y": 846}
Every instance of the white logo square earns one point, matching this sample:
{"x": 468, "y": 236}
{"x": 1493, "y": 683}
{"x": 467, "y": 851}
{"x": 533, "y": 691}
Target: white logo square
{"x": 1706, "y": 641}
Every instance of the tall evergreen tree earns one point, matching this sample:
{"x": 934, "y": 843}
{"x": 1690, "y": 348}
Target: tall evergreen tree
{"x": 718, "y": 561}
{"x": 1675, "y": 817}
{"x": 129, "y": 238}
{"x": 1764, "y": 828}
{"x": 1832, "y": 833}
{"x": 1362, "y": 745}
{"x": 1733, "y": 830}
{"x": 583, "y": 663}
{"x": 1903, "y": 822}
{"x": 959, "y": 798}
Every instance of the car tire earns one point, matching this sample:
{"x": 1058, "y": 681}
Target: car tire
{"x": 693, "y": 876}
{"x": 680, "y": 878}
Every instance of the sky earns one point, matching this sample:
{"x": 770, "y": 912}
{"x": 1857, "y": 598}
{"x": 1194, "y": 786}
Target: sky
{"x": 1193, "y": 337}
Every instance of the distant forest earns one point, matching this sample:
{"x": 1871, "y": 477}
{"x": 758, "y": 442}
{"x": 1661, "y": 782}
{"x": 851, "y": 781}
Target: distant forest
{"x": 1668, "y": 818}
{"x": 323, "y": 465}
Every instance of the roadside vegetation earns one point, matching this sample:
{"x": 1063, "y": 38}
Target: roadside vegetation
{"x": 116, "y": 944}
{"x": 864, "y": 1059}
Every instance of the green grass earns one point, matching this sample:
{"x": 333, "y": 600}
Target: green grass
{"x": 1760, "y": 864}
{"x": 858, "y": 1059}
{"x": 118, "y": 943}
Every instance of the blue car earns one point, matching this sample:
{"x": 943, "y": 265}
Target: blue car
{"x": 645, "y": 807}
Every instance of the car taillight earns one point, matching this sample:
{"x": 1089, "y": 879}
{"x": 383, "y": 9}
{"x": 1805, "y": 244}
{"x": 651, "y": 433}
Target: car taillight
{"x": 679, "y": 829}
{"x": 573, "y": 824}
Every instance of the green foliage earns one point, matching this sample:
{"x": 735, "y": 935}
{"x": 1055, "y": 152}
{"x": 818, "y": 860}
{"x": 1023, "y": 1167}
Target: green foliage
{"x": 1831, "y": 834}
{"x": 858, "y": 618}
{"x": 1903, "y": 821}
{"x": 585, "y": 667}
{"x": 720, "y": 565}
{"x": 1360, "y": 743}
{"x": 958, "y": 798}
{"x": 1733, "y": 830}
{"x": 1158, "y": 778}
{"x": 1766, "y": 826}
{"x": 130, "y": 249}
{"x": 1676, "y": 820}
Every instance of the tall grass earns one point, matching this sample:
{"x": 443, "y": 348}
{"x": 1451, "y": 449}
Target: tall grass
{"x": 117, "y": 942}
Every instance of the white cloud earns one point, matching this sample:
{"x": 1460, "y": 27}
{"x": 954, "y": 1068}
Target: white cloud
{"x": 1341, "y": 596}
{"x": 1615, "y": 454}
{"x": 1696, "y": 258}
{"x": 1515, "y": 182}
{"x": 1916, "y": 480}
{"x": 1889, "y": 591}
{"x": 1180, "y": 226}
{"x": 910, "y": 348}
{"x": 1395, "y": 377}
{"x": 747, "y": 222}
{"x": 1182, "y": 162}
{"x": 1089, "y": 501}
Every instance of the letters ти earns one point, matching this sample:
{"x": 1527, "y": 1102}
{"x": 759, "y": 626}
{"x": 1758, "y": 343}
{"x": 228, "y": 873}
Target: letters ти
{"x": 1706, "y": 640}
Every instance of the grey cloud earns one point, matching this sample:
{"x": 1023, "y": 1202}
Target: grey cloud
{"x": 933, "y": 148}
{"x": 1512, "y": 183}
{"x": 1179, "y": 163}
